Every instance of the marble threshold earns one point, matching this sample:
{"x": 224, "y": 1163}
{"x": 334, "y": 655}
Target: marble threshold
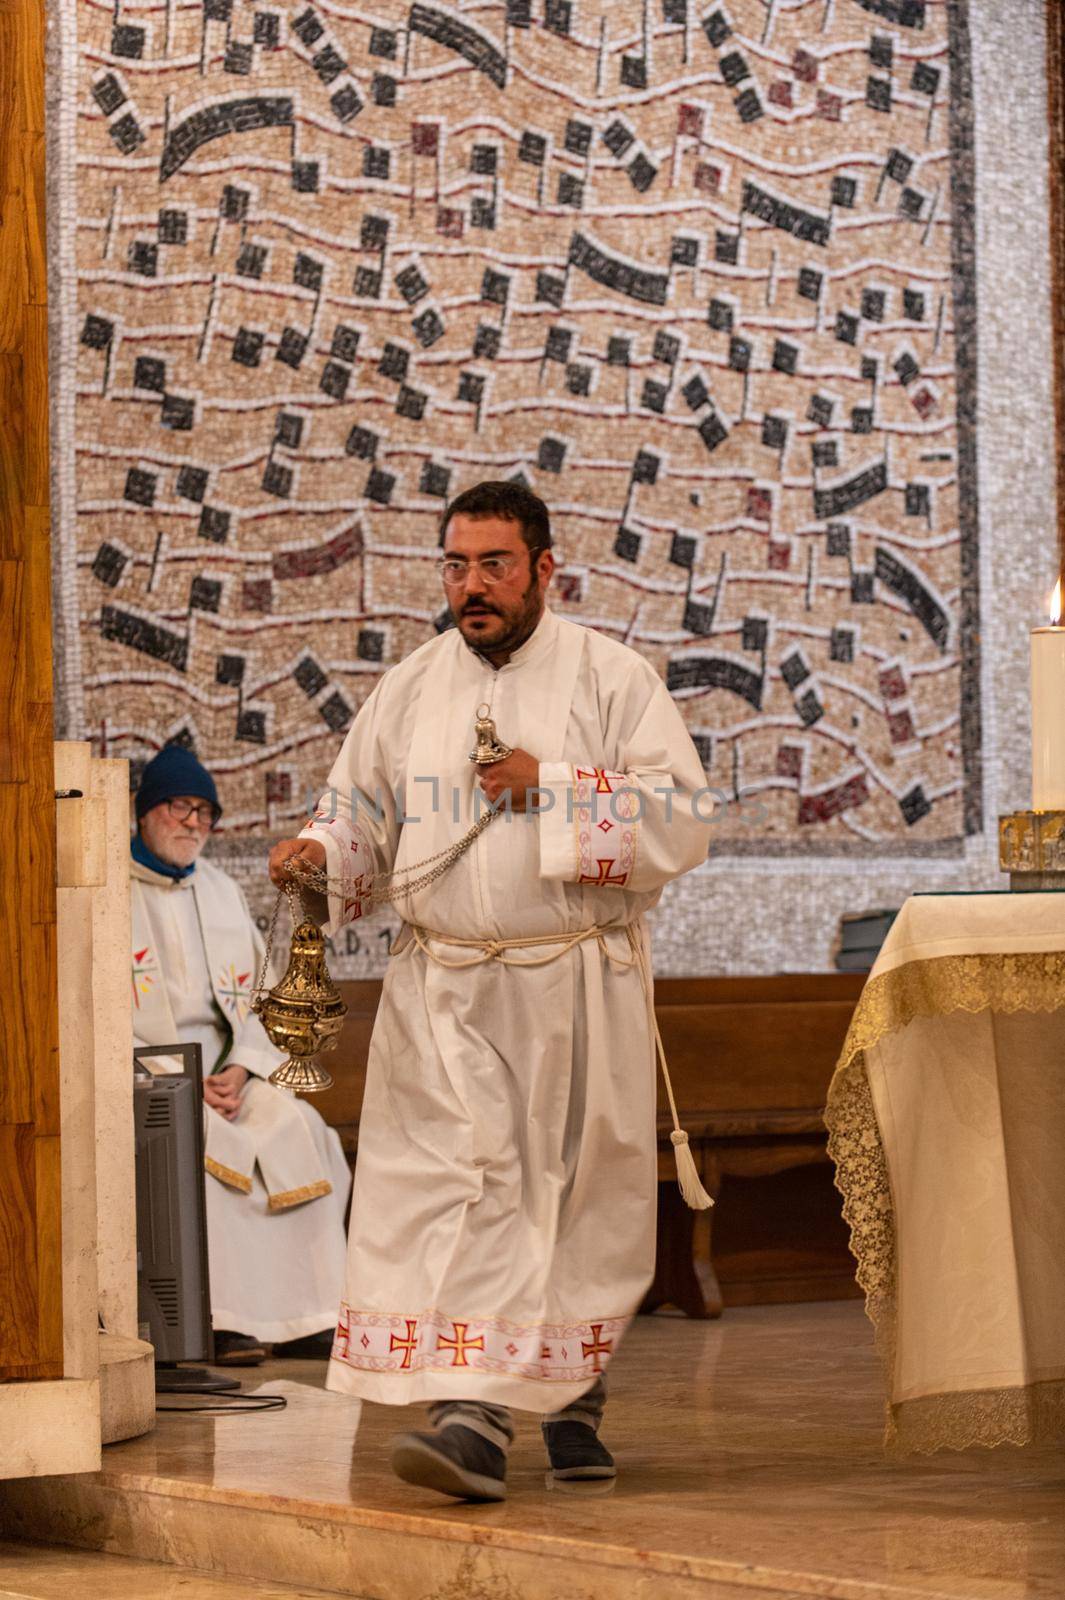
{"x": 37, "y": 1572}
{"x": 750, "y": 1464}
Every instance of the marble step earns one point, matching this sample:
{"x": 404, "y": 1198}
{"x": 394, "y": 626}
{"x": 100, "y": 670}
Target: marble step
{"x": 751, "y": 1468}
{"x": 48, "y": 1572}
{"x": 242, "y": 1545}
{"x": 305, "y": 1495}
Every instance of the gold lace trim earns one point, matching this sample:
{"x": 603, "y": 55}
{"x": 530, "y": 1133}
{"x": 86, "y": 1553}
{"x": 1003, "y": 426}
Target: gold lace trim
{"x": 235, "y": 1180}
{"x": 1034, "y": 1415}
{"x": 1029, "y": 981}
{"x": 298, "y": 1197}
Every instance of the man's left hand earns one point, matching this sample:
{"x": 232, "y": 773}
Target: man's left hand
{"x": 223, "y": 1090}
{"x": 518, "y": 772}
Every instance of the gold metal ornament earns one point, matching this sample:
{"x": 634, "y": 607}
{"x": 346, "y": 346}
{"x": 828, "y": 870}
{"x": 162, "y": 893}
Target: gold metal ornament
{"x": 1031, "y": 848}
{"x": 303, "y": 1013}
{"x": 489, "y": 748}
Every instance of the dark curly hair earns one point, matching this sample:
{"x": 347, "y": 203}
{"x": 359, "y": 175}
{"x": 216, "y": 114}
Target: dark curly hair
{"x": 511, "y": 501}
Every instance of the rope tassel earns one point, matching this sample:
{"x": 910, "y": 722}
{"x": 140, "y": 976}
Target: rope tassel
{"x": 691, "y": 1187}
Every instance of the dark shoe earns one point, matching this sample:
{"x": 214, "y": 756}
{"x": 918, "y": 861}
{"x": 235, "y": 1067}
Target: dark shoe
{"x": 237, "y": 1350}
{"x": 455, "y": 1461}
{"x": 312, "y": 1347}
{"x": 575, "y": 1451}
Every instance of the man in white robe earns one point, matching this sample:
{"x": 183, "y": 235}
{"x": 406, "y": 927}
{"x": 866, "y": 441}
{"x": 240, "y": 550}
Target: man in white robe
{"x": 277, "y": 1181}
{"x": 503, "y": 1227}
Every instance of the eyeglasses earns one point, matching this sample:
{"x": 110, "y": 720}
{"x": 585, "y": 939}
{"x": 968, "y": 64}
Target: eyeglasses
{"x": 455, "y": 570}
{"x": 204, "y": 812}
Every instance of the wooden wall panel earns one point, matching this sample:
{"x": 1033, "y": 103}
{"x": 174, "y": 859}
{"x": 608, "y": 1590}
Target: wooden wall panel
{"x": 18, "y": 1250}
{"x": 31, "y": 1309}
{"x": 17, "y": 1099}
{"x": 12, "y": 671}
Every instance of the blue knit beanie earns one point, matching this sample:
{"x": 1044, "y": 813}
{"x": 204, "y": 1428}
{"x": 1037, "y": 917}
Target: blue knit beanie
{"x": 174, "y": 771}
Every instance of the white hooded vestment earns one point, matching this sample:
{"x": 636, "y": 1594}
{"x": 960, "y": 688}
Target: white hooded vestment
{"x": 278, "y": 1180}
{"x": 503, "y": 1224}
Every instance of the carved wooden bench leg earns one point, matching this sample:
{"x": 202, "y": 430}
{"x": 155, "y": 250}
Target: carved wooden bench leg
{"x": 684, "y": 1274}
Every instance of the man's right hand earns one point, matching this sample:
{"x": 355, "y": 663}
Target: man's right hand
{"x": 310, "y": 852}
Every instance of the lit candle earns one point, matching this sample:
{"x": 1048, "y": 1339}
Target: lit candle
{"x": 1048, "y": 711}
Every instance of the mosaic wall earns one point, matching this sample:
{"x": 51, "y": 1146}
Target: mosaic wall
{"x": 701, "y": 273}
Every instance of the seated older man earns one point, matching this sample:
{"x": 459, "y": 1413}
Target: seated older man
{"x": 277, "y": 1181}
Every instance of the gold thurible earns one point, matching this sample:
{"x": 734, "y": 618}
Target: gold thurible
{"x": 303, "y": 1013}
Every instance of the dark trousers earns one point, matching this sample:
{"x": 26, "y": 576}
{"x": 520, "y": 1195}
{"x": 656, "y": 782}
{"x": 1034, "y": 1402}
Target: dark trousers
{"x": 496, "y": 1424}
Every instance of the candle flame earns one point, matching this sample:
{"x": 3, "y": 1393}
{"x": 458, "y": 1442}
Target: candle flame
{"x": 1055, "y": 605}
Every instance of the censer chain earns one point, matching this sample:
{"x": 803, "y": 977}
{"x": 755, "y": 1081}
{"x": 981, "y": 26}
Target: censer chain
{"x": 318, "y": 880}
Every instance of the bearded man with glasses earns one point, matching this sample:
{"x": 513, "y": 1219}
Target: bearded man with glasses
{"x": 503, "y": 1226}
{"x": 277, "y": 1181}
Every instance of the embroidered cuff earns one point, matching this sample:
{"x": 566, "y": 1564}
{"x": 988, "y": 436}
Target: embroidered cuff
{"x": 348, "y": 865}
{"x": 589, "y": 834}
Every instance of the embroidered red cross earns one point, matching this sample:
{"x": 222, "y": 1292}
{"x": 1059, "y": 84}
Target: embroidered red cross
{"x": 353, "y": 908}
{"x": 604, "y": 875}
{"x": 407, "y": 1345}
{"x": 597, "y": 1347}
{"x": 460, "y": 1344}
{"x": 603, "y": 784}
{"x": 343, "y": 1337}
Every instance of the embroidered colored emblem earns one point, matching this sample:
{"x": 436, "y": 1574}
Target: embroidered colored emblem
{"x": 144, "y": 973}
{"x": 407, "y": 1345}
{"x": 460, "y": 1344}
{"x": 357, "y": 890}
{"x": 234, "y": 991}
{"x": 597, "y": 1347}
{"x": 604, "y": 876}
{"x": 605, "y": 782}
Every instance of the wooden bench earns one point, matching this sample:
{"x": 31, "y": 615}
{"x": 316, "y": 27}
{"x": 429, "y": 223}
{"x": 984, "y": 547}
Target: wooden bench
{"x": 750, "y": 1060}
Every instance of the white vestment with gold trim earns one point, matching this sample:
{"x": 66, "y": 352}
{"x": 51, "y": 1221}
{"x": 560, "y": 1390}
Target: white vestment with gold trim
{"x": 277, "y": 1180}
{"x": 503, "y": 1226}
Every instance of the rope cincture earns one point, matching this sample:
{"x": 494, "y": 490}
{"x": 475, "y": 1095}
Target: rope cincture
{"x": 691, "y": 1186}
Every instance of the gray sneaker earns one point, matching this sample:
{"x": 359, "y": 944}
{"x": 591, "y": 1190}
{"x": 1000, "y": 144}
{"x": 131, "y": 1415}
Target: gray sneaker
{"x": 575, "y": 1451}
{"x": 454, "y": 1460}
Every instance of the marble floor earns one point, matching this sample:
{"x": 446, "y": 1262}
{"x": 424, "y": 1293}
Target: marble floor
{"x": 750, "y": 1464}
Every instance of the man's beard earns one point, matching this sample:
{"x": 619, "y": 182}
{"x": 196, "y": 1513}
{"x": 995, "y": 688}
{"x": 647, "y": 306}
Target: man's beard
{"x": 175, "y": 851}
{"x": 517, "y": 625}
